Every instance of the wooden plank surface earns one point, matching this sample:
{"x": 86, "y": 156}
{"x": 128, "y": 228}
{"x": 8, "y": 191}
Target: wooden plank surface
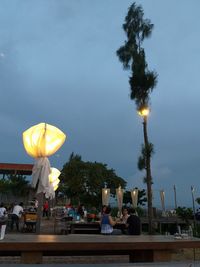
{"x": 142, "y": 248}
{"x": 87, "y": 242}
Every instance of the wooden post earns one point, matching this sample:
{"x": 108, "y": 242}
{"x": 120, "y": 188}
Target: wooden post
{"x": 34, "y": 257}
{"x": 40, "y": 198}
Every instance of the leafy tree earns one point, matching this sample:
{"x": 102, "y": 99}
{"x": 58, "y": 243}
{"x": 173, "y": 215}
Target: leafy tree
{"x": 4, "y": 187}
{"x": 185, "y": 214}
{"x": 82, "y": 181}
{"x": 18, "y": 185}
{"x": 142, "y": 82}
{"x": 198, "y": 200}
{"x": 14, "y": 185}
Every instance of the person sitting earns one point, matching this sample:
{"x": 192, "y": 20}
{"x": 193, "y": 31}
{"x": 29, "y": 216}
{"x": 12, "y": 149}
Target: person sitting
{"x": 107, "y": 223}
{"x": 80, "y": 211}
{"x": 125, "y": 215}
{"x": 133, "y": 223}
{"x": 123, "y": 220}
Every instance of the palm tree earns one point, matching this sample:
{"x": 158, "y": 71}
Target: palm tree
{"x": 142, "y": 81}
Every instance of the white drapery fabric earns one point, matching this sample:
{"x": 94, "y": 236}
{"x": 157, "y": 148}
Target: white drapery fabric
{"x": 40, "y": 177}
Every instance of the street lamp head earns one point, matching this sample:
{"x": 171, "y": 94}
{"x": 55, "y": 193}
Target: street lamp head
{"x": 144, "y": 111}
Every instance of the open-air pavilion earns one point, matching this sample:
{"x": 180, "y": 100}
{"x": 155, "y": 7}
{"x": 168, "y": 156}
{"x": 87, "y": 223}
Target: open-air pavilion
{"x": 15, "y": 169}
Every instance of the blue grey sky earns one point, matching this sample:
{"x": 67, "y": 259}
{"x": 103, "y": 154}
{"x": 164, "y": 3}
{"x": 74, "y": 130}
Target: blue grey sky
{"x": 58, "y": 65}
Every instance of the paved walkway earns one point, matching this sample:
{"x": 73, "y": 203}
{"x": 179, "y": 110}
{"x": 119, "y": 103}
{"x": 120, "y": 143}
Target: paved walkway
{"x": 172, "y": 264}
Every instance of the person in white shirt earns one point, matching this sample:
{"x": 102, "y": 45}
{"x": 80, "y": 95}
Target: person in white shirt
{"x": 16, "y": 215}
{"x": 2, "y": 210}
{"x": 3, "y": 219}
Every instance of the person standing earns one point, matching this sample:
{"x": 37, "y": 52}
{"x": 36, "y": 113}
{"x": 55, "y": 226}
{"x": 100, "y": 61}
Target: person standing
{"x": 16, "y": 215}
{"x": 133, "y": 223}
{"x": 46, "y": 209}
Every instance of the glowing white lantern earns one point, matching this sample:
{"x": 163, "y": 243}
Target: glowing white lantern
{"x": 134, "y": 196}
{"x": 53, "y": 178}
{"x": 162, "y": 198}
{"x": 43, "y": 140}
{"x": 105, "y": 196}
{"x": 120, "y": 194}
{"x": 40, "y": 141}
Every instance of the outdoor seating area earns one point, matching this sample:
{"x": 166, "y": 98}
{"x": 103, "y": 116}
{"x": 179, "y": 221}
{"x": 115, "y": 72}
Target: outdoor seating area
{"x": 66, "y": 224}
{"x": 99, "y": 132}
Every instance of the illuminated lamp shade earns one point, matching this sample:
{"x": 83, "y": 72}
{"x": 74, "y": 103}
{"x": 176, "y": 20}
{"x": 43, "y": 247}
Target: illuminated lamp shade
{"x": 134, "y": 196}
{"x": 105, "y": 196}
{"x": 53, "y": 178}
{"x": 162, "y": 198}
{"x": 119, "y": 193}
{"x": 43, "y": 140}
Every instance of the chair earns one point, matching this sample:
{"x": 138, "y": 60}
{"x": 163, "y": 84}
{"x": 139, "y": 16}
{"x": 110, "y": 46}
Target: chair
{"x": 58, "y": 216}
{"x": 67, "y": 225}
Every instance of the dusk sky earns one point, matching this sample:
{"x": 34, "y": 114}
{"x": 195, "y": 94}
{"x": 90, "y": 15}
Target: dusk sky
{"x": 58, "y": 65}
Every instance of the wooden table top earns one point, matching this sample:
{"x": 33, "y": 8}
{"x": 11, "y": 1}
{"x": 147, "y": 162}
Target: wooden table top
{"x": 152, "y": 240}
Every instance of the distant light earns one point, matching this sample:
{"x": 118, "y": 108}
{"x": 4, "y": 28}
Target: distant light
{"x": 2, "y": 55}
{"x": 144, "y": 112}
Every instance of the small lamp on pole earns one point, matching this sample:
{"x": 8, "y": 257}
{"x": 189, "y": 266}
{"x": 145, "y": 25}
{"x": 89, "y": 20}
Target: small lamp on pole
{"x": 144, "y": 111}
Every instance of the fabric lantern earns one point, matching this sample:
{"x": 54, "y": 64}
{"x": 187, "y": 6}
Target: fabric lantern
{"x": 119, "y": 193}
{"x": 43, "y": 140}
{"x": 134, "y": 197}
{"x": 53, "y": 178}
{"x": 54, "y": 181}
{"x": 40, "y": 141}
{"x": 162, "y": 198}
{"x": 105, "y": 196}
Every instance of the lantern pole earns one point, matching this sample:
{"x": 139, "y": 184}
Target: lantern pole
{"x": 162, "y": 198}
{"x": 175, "y": 199}
{"x": 40, "y": 198}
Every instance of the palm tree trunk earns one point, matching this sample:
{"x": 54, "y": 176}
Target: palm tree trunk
{"x": 148, "y": 175}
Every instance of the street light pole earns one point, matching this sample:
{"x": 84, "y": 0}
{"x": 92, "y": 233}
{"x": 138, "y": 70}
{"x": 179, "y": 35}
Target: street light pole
{"x": 144, "y": 113}
{"x": 175, "y": 199}
{"x": 193, "y": 205}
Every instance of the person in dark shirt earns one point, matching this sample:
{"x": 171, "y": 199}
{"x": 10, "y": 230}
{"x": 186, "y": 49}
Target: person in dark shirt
{"x": 133, "y": 223}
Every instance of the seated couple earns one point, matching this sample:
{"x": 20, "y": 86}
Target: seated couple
{"x": 133, "y": 224}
